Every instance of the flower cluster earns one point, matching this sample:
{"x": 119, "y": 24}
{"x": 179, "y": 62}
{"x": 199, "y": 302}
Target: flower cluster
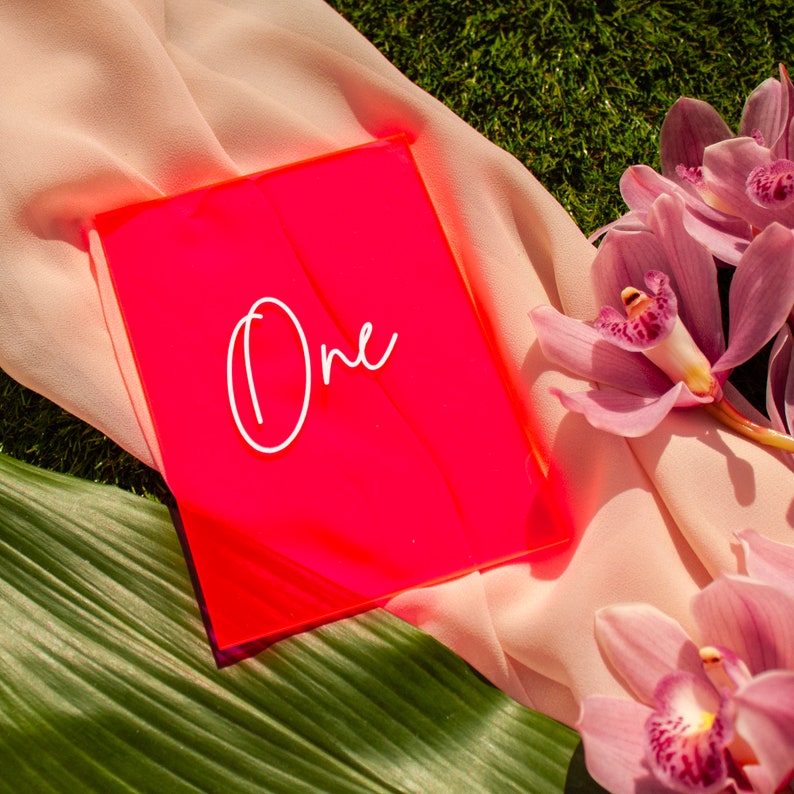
{"x": 721, "y": 201}
{"x": 711, "y": 714}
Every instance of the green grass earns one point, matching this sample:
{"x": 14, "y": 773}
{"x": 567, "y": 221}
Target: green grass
{"x": 37, "y": 431}
{"x": 577, "y": 91}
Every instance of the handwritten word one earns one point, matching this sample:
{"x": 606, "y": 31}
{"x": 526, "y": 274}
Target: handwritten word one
{"x": 326, "y": 358}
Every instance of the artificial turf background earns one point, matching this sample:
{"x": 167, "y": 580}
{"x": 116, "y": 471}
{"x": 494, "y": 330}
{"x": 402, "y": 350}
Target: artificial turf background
{"x": 575, "y": 90}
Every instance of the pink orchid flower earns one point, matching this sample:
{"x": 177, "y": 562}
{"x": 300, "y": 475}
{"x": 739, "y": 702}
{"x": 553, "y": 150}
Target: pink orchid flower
{"x": 732, "y": 187}
{"x": 650, "y": 352}
{"x": 714, "y": 713}
{"x": 753, "y": 175}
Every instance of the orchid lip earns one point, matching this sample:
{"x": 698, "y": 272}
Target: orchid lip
{"x": 649, "y": 318}
{"x": 692, "y": 175}
{"x": 758, "y": 136}
{"x": 652, "y": 326}
{"x": 772, "y": 185}
{"x": 686, "y": 735}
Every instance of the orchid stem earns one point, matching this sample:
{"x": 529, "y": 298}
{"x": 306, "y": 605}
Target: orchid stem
{"x": 723, "y": 411}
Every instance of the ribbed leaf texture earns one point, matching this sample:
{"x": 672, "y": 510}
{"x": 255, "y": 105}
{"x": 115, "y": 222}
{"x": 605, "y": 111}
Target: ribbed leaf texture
{"x": 107, "y": 683}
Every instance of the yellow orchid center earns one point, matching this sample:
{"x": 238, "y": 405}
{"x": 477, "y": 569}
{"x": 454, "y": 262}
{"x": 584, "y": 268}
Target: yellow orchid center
{"x": 706, "y": 720}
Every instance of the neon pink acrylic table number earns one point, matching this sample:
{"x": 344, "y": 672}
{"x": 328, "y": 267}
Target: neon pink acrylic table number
{"x": 332, "y": 422}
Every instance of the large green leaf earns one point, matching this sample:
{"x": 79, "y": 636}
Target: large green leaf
{"x": 107, "y": 683}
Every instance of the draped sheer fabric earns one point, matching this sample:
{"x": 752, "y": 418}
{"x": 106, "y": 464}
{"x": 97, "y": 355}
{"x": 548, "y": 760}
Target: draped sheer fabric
{"x": 104, "y": 104}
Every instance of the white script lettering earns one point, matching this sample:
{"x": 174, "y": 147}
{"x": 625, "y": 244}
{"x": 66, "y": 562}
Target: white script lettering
{"x": 245, "y": 323}
{"x": 326, "y": 357}
{"x": 363, "y": 338}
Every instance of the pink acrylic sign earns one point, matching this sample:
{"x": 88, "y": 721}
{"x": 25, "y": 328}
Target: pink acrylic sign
{"x": 332, "y": 419}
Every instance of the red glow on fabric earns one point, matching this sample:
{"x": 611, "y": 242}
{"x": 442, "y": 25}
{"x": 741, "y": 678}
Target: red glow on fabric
{"x": 332, "y": 420}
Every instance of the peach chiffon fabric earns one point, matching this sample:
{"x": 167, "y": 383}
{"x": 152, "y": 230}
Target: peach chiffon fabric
{"x": 107, "y": 103}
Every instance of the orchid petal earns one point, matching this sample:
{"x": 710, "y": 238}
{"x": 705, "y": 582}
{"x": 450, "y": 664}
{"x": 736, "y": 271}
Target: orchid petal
{"x": 695, "y": 275}
{"x": 768, "y": 561}
{"x": 612, "y": 735}
{"x": 782, "y": 147}
{"x": 578, "y": 347}
{"x": 762, "y": 111}
{"x": 780, "y": 383}
{"x": 725, "y": 237}
{"x": 622, "y": 261}
{"x": 762, "y": 295}
{"x": 760, "y": 782}
{"x": 640, "y": 186}
{"x": 754, "y": 619}
{"x": 688, "y": 128}
{"x": 644, "y": 645}
{"x": 686, "y": 736}
{"x": 624, "y": 414}
{"x": 631, "y": 221}
{"x": 602, "y": 230}
{"x": 765, "y": 719}
{"x": 726, "y": 166}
